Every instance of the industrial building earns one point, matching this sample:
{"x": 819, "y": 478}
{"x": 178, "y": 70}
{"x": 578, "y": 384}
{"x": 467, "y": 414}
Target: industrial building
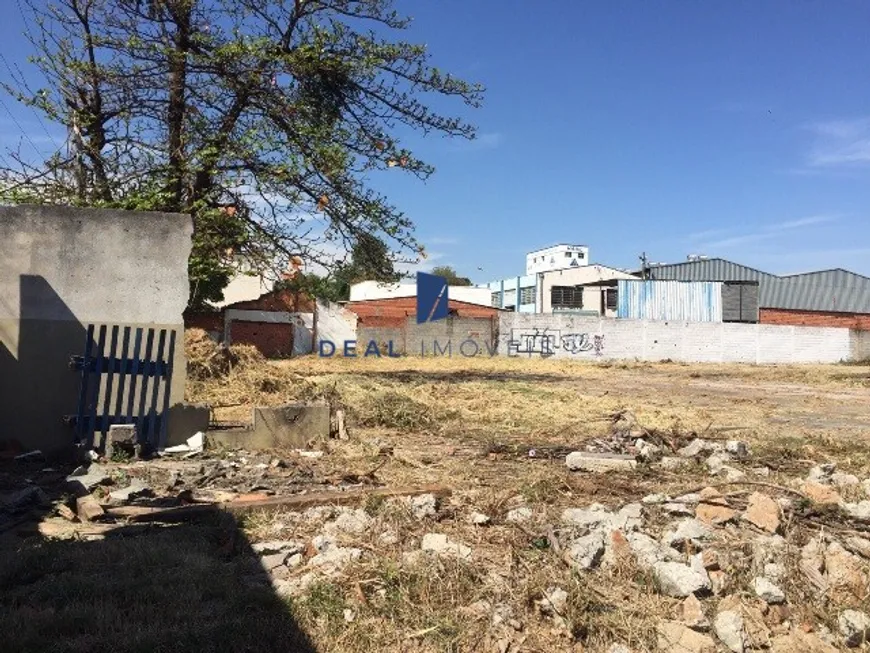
{"x": 833, "y": 298}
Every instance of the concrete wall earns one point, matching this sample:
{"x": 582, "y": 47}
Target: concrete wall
{"x": 334, "y": 323}
{"x": 577, "y": 277}
{"x": 585, "y": 337}
{"x": 65, "y": 268}
{"x": 458, "y": 336}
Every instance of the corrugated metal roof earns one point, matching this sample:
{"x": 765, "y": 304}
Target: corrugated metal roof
{"x": 697, "y": 301}
{"x": 826, "y": 290}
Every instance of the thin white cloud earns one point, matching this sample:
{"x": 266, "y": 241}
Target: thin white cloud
{"x": 766, "y": 232}
{"x": 840, "y": 143}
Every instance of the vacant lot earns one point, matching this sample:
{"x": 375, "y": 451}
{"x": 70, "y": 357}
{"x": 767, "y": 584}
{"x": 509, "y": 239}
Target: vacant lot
{"x": 515, "y": 566}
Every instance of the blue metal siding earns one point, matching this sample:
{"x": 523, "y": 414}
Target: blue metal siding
{"x": 698, "y": 301}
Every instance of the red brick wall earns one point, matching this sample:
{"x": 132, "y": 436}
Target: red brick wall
{"x": 814, "y": 318}
{"x": 205, "y": 321}
{"x": 273, "y": 340}
{"x": 394, "y": 311}
{"x": 279, "y": 300}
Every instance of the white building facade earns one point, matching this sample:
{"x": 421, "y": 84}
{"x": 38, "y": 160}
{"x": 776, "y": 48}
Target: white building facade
{"x": 557, "y": 257}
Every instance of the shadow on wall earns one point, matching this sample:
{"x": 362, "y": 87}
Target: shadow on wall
{"x": 37, "y": 388}
{"x": 195, "y": 586}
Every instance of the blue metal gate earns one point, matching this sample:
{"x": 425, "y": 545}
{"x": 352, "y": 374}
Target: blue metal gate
{"x": 123, "y": 387}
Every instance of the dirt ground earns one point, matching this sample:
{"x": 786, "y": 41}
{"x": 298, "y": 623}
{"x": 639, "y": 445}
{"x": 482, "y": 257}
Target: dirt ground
{"x": 495, "y": 432}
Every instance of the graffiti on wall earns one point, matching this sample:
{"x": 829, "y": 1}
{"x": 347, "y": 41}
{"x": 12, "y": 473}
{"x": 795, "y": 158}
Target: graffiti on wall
{"x": 547, "y": 342}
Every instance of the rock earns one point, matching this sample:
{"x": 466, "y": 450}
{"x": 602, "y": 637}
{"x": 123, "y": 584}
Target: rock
{"x": 857, "y": 544}
{"x": 737, "y": 448}
{"x": 712, "y": 496}
{"x": 819, "y": 493}
{"x": 695, "y": 448}
{"x": 679, "y": 580}
{"x": 423, "y": 506}
{"x": 277, "y": 546}
{"x": 714, "y": 514}
{"x": 715, "y": 462}
{"x": 822, "y": 473}
{"x": 761, "y": 471}
{"x": 842, "y": 480}
{"x": 649, "y": 452}
{"x": 732, "y": 473}
{"x": 352, "y": 522}
{"x": 519, "y": 515}
{"x": 348, "y": 615}
{"x": 677, "y": 509}
{"x": 690, "y": 531}
{"x": 274, "y": 560}
{"x": 729, "y": 629}
{"x": 672, "y": 463}
{"x": 442, "y": 545}
{"x": 774, "y": 571}
{"x": 593, "y": 516}
{"x": 653, "y": 499}
{"x": 674, "y": 637}
{"x": 693, "y": 614}
{"x": 860, "y": 510}
{"x": 767, "y": 591}
{"x": 554, "y": 601}
{"x": 322, "y": 543}
{"x": 691, "y": 499}
{"x": 599, "y": 462}
{"x": 388, "y": 538}
{"x": 854, "y": 627}
{"x": 763, "y": 512}
{"x": 647, "y": 551}
{"x": 479, "y": 519}
{"x": 865, "y": 485}
{"x": 295, "y": 560}
{"x": 709, "y": 559}
{"x": 845, "y": 572}
{"x": 335, "y": 557}
{"x": 134, "y": 490}
{"x": 627, "y": 518}
{"x": 84, "y": 479}
{"x": 801, "y": 642}
{"x": 585, "y": 552}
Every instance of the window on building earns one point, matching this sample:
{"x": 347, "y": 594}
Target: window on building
{"x": 496, "y": 299}
{"x": 566, "y": 297}
{"x": 567, "y": 254}
{"x": 581, "y": 255}
{"x": 611, "y": 299}
{"x": 527, "y": 295}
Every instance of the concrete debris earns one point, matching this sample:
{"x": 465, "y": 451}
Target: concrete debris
{"x": 728, "y": 626}
{"x": 674, "y": 637}
{"x": 820, "y": 493}
{"x": 618, "y": 648}
{"x": 348, "y": 615}
{"x": 846, "y": 574}
{"x": 774, "y": 572}
{"x": 763, "y": 512}
{"x": 335, "y": 557}
{"x": 672, "y": 463}
{"x": 628, "y": 518}
{"x": 732, "y": 473}
{"x": 424, "y": 506}
{"x": 693, "y": 614}
{"x": 679, "y": 580}
{"x": 554, "y": 602}
{"x": 690, "y": 499}
{"x": 718, "y": 581}
{"x": 860, "y": 510}
{"x": 86, "y": 478}
{"x": 737, "y": 448}
{"x": 691, "y": 531}
{"x": 599, "y": 462}
{"x": 714, "y": 513}
{"x": 353, "y": 522}
{"x": 585, "y": 552}
{"x": 195, "y": 444}
{"x": 648, "y": 551}
{"x": 822, "y": 473}
{"x": 135, "y": 490}
{"x": 843, "y": 480}
{"x": 519, "y": 515}
{"x": 274, "y": 560}
{"x": 322, "y": 543}
{"x": 440, "y": 544}
{"x": 865, "y": 485}
{"x": 767, "y": 591}
{"x": 697, "y": 447}
{"x": 858, "y": 545}
{"x": 854, "y": 627}
{"x": 388, "y": 538}
{"x": 29, "y": 497}
{"x": 277, "y": 546}
{"x": 653, "y": 499}
{"x": 716, "y": 462}
{"x": 677, "y": 509}
{"x": 294, "y": 560}
{"x": 649, "y": 453}
{"x": 479, "y": 519}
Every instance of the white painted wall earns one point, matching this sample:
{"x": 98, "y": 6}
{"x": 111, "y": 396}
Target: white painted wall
{"x": 334, "y": 323}
{"x": 374, "y": 290}
{"x": 557, "y": 258}
{"x": 244, "y": 288}
{"x": 576, "y": 277}
{"x": 565, "y": 336}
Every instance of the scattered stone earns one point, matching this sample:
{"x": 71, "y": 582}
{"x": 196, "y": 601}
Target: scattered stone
{"x": 730, "y": 631}
{"x": 714, "y": 514}
{"x": 295, "y": 560}
{"x": 322, "y": 543}
{"x": 599, "y": 462}
{"x": 842, "y": 480}
{"x": 763, "y": 512}
{"x": 585, "y": 552}
{"x": 692, "y": 498}
{"x": 800, "y": 641}
{"x": 854, "y": 627}
{"x": 618, "y": 648}
{"x": 135, "y": 490}
{"x": 679, "y": 580}
{"x": 674, "y": 637}
{"x": 857, "y": 544}
{"x": 671, "y": 463}
{"x": 718, "y": 581}
{"x": 761, "y": 471}
{"x": 335, "y": 557}
{"x": 767, "y": 591}
{"x": 820, "y": 493}
{"x": 277, "y": 546}
{"x": 424, "y": 506}
{"x": 677, "y": 509}
{"x": 554, "y": 602}
{"x": 709, "y": 559}
{"x": 479, "y": 519}
{"x": 348, "y": 615}
{"x": 353, "y": 522}
{"x": 439, "y": 543}
{"x": 845, "y": 572}
{"x": 653, "y": 499}
{"x": 274, "y": 560}
{"x": 737, "y": 448}
{"x": 865, "y": 485}
{"x": 693, "y": 614}
{"x": 389, "y": 538}
{"x": 690, "y": 531}
{"x": 822, "y": 473}
{"x": 860, "y": 510}
{"x": 774, "y": 571}
{"x": 695, "y": 448}
{"x": 86, "y": 478}
{"x": 628, "y": 518}
{"x": 519, "y": 515}
{"x": 716, "y": 462}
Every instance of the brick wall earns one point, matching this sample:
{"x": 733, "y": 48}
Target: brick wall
{"x": 814, "y": 318}
{"x": 395, "y": 311}
{"x": 460, "y": 336}
{"x": 212, "y": 321}
{"x": 278, "y": 300}
{"x": 272, "y": 339}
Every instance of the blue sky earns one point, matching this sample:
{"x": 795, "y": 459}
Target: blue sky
{"x": 733, "y": 129}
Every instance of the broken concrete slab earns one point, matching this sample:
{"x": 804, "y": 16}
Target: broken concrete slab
{"x": 291, "y": 425}
{"x": 854, "y": 627}
{"x": 767, "y": 591}
{"x": 121, "y": 437}
{"x": 442, "y": 545}
{"x": 585, "y": 552}
{"x": 679, "y": 580}
{"x": 599, "y": 462}
{"x": 134, "y": 490}
{"x": 277, "y": 546}
{"x": 86, "y": 478}
{"x": 674, "y": 637}
{"x": 763, "y": 512}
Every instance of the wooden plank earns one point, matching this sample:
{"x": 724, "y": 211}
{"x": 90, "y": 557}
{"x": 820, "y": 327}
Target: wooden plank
{"x": 134, "y": 376}
{"x": 125, "y": 346}
{"x": 88, "y": 509}
{"x": 143, "y": 391}
{"x": 167, "y": 389}
{"x": 110, "y": 378}
{"x": 294, "y": 502}
{"x": 85, "y": 385}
